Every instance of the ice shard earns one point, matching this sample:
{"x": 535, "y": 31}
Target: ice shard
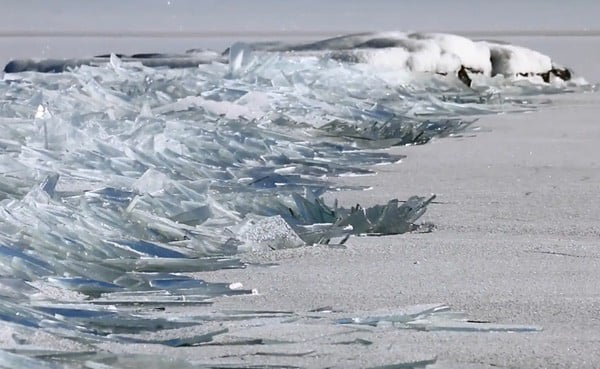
{"x": 433, "y": 318}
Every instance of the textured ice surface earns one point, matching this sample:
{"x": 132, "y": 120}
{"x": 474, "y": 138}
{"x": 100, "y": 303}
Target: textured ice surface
{"x": 117, "y": 178}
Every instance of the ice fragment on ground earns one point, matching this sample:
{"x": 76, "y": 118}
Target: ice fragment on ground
{"x": 433, "y": 318}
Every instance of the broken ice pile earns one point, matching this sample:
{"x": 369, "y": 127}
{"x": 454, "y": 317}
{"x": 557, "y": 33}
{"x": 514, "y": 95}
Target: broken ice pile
{"x": 116, "y": 178}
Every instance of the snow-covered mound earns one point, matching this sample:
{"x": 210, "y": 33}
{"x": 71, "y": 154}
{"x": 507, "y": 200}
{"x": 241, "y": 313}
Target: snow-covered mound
{"x": 512, "y": 60}
{"x": 438, "y": 53}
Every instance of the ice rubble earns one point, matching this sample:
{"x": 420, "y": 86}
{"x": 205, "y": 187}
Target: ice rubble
{"x": 117, "y": 177}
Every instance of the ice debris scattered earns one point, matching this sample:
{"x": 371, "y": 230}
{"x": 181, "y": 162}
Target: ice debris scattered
{"x": 255, "y": 335}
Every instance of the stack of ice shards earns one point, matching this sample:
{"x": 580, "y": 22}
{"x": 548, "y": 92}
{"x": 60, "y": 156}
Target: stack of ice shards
{"x": 116, "y": 179}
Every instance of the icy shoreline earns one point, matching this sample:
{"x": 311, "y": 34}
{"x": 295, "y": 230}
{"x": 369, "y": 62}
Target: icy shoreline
{"x": 121, "y": 196}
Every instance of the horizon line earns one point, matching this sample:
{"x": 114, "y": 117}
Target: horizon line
{"x": 274, "y": 33}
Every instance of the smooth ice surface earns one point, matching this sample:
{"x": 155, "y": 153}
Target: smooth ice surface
{"x": 117, "y": 178}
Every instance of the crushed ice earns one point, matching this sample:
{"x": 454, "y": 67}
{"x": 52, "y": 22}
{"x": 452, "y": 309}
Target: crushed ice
{"x": 117, "y": 177}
